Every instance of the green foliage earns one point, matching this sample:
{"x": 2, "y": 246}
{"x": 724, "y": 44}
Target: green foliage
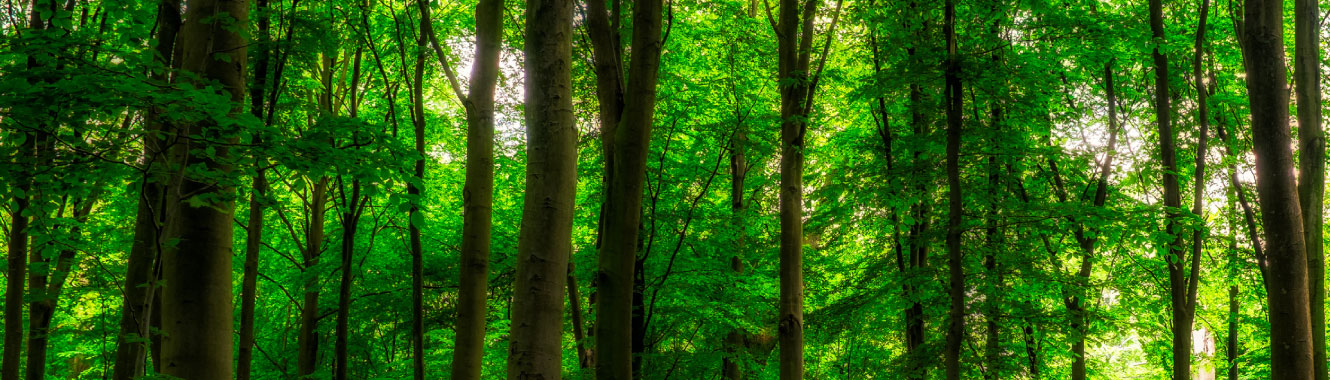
{"x": 89, "y": 91}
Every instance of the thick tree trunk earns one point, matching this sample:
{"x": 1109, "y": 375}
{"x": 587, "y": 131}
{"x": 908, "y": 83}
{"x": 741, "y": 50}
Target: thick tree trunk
{"x": 545, "y": 240}
{"x": 1311, "y": 166}
{"x": 956, "y": 270}
{"x": 623, "y": 201}
{"x": 196, "y": 304}
{"x": 478, "y": 197}
{"x": 257, "y": 200}
{"x": 1290, "y": 325}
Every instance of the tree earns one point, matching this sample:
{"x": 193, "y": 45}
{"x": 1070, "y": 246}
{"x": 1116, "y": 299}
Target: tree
{"x": 1290, "y": 325}
{"x": 257, "y": 198}
{"x": 1311, "y": 166}
{"x": 545, "y": 241}
{"x": 956, "y": 207}
{"x": 196, "y": 304}
{"x": 618, "y": 338}
{"x": 478, "y": 192}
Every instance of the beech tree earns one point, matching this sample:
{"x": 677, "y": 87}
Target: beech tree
{"x": 423, "y": 185}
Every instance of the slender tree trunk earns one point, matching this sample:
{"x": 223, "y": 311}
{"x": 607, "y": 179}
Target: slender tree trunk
{"x": 307, "y": 340}
{"x": 51, "y": 285}
{"x": 413, "y": 190}
{"x": 478, "y": 198}
{"x": 257, "y": 200}
{"x": 1311, "y": 165}
{"x": 545, "y": 240}
{"x": 350, "y": 220}
{"x": 732, "y": 363}
{"x": 1290, "y": 325}
{"x": 17, "y": 261}
{"x": 992, "y": 264}
{"x": 1172, "y": 203}
{"x": 40, "y": 221}
{"x": 917, "y": 367}
{"x": 1232, "y": 350}
{"x": 197, "y": 309}
{"x": 579, "y": 331}
{"x": 27, "y": 162}
{"x": 956, "y": 270}
{"x": 1186, "y": 281}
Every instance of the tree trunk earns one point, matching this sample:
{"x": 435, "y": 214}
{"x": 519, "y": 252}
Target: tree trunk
{"x": 956, "y": 314}
{"x": 915, "y": 330}
{"x": 1290, "y": 325}
{"x": 351, "y": 207}
{"x": 1172, "y": 203}
{"x": 1311, "y": 166}
{"x": 732, "y": 362}
{"x": 992, "y": 265}
{"x": 1079, "y": 322}
{"x": 545, "y": 240}
{"x": 197, "y": 309}
{"x": 141, "y": 273}
{"x": 415, "y": 219}
{"x": 623, "y": 201}
{"x": 794, "y": 52}
{"x": 1186, "y": 281}
{"x": 27, "y": 161}
{"x": 575, "y": 312}
{"x": 257, "y": 200}
{"x": 307, "y": 340}
{"x": 1232, "y": 350}
{"x": 478, "y": 197}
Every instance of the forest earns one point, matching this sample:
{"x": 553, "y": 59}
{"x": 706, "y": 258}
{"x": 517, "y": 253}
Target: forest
{"x": 662, "y": 189}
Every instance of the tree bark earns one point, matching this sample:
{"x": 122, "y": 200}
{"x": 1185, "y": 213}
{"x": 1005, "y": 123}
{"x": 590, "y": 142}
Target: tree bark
{"x": 46, "y": 282}
{"x": 956, "y": 271}
{"x": 1172, "y": 202}
{"x": 794, "y": 53}
{"x": 915, "y": 329}
{"x": 1290, "y": 325}
{"x": 1311, "y": 166}
{"x": 575, "y": 314}
{"x": 350, "y": 218}
{"x": 257, "y": 200}
{"x": 992, "y": 236}
{"x": 413, "y": 191}
{"x": 196, "y": 302}
{"x": 1232, "y": 350}
{"x": 478, "y": 196}
{"x": 27, "y": 161}
{"x": 623, "y": 200}
{"x": 140, "y": 286}
{"x": 307, "y": 340}
{"x": 545, "y": 240}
